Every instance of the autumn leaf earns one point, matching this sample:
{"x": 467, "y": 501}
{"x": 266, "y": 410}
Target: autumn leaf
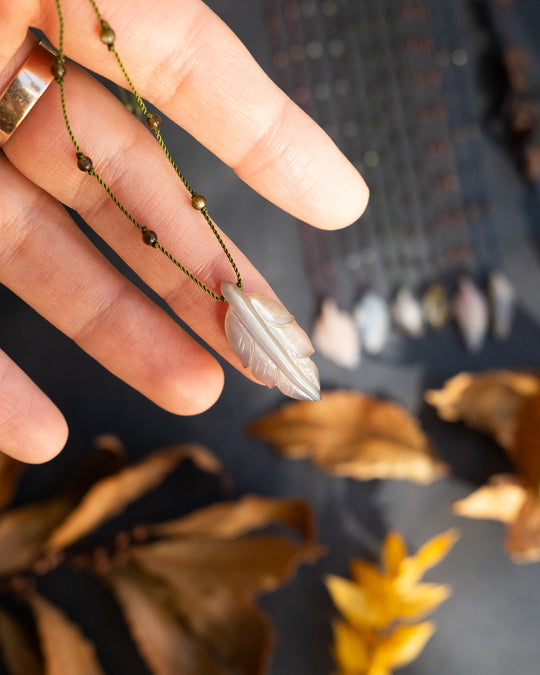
{"x": 505, "y": 499}
{"x": 24, "y": 530}
{"x": 164, "y": 642}
{"x": 249, "y": 565}
{"x": 65, "y": 648}
{"x": 505, "y": 404}
{"x": 231, "y": 625}
{"x": 187, "y": 587}
{"x": 352, "y": 649}
{"x": 190, "y": 627}
{"x": 500, "y": 499}
{"x": 401, "y": 647}
{"x": 226, "y": 520}
{"x": 523, "y": 535}
{"x": 353, "y": 602}
{"x": 353, "y": 434}
{"x": 413, "y": 568}
{"x": 377, "y": 605}
{"x": 525, "y": 449}
{"x": 112, "y": 494}
{"x": 488, "y": 402}
{"x": 10, "y": 472}
{"x": 19, "y": 647}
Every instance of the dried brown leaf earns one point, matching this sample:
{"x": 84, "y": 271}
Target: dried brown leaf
{"x": 111, "y": 495}
{"x": 231, "y": 630}
{"x": 65, "y": 649}
{"x": 501, "y": 499}
{"x": 353, "y": 434}
{"x": 526, "y": 446}
{"x": 523, "y": 536}
{"x": 489, "y": 402}
{"x": 19, "y": 647}
{"x": 231, "y": 626}
{"x": 24, "y": 530}
{"x": 249, "y": 565}
{"x": 226, "y": 520}
{"x": 10, "y": 472}
{"x": 162, "y": 638}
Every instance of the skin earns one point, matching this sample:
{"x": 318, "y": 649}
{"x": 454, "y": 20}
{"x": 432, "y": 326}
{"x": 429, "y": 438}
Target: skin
{"x": 189, "y": 65}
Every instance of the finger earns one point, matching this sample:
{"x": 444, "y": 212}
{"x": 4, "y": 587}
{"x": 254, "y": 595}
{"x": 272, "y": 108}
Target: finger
{"x": 48, "y": 262}
{"x": 32, "y": 429}
{"x": 15, "y": 18}
{"x": 128, "y": 158}
{"x": 184, "y": 59}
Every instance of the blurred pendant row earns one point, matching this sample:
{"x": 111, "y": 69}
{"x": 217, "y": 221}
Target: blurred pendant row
{"x": 341, "y": 336}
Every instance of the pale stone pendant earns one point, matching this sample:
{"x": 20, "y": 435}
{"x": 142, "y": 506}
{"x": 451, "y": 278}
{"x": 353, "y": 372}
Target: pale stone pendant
{"x": 373, "y": 321}
{"x": 407, "y": 313}
{"x": 268, "y": 341}
{"x": 471, "y": 313}
{"x": 335, "y": 335}
{"x": 503, "y": 305}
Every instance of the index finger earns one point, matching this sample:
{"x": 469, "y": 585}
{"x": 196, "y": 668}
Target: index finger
{"x": 185, "y": 60}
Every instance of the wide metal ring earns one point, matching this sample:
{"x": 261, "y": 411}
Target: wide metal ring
{"x": 25, "y": 88}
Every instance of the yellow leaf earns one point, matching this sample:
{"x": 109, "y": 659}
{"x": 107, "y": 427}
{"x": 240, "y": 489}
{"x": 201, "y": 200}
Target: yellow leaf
{"x": 351, "y": 434}
{"x": 353, "y": 603}
{"x": 367, "y": 575}
{"x": 378, "y": 588}
{"x": 65, "y": 648}
{"x": 418, "y": 600}
{"x": 430, "y": 554}
{"x": 351, "y": 649}
{"x": 404, "y": 645}
{"x": 394, "y": 553}
{"x": 111, "y": 495}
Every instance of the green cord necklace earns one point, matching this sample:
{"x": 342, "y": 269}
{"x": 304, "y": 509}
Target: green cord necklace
{"x": 260, "y": 330}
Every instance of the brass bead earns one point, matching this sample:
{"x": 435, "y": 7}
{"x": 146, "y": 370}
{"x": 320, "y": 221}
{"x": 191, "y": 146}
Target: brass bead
{"x": 107, "y": 35}
{"x": 153, "y": 121}
{"x": 58, "y": 70}
{"x": 198, "y": 202}
{"x": 84, "y": 163}
{"x": 149, "y": 237}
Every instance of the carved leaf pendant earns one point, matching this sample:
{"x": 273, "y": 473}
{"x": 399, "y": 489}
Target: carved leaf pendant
{"x": 268, "y": 341}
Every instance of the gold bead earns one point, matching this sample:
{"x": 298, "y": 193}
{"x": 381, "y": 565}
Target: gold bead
{"x": 84, "y": 163}
{"x": 58, "y": 70}
{"x": 149, "y": 237}
{"x": 198, "y": 202}
{"x": 107, "y": 35}
{"x": 153, "y": 121}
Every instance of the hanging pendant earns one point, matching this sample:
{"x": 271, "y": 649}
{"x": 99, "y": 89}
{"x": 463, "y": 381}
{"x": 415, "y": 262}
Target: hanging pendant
{"x": 335, "y": 335}
{"x": 268, "y": 341}
{"x": 435, "y": 307}
{"x": 373, "y": 320}
{"x": 503, "y": 305}
{"x": 471, "y": 313}
{"x": 407, "y": 313}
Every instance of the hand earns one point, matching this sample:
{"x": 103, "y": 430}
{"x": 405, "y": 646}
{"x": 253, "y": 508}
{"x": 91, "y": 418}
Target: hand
{"x": 190, "y": 66}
